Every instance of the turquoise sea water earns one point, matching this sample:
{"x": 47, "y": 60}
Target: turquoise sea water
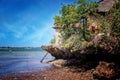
{"x": 22, "y": 60}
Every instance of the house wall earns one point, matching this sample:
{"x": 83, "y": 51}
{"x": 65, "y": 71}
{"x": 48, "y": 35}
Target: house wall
{"x": 57, "y": 38}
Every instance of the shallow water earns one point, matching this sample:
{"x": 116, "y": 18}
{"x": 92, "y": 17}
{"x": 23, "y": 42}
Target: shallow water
{"x": 22, "y": 60}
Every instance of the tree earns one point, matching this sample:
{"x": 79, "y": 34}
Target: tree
{"x": 115, "y": 27}
{"x": 69, "y": 16}
{"x": 72, "y": 14}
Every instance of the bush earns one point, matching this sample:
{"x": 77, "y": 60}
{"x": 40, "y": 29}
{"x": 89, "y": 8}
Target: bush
{"x": 84, "y": 44}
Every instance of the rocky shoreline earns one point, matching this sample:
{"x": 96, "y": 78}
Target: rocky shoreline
{"x": 99, "y": 56}
{"x": 53, "y": 74}
{"x": 64, "y": 70}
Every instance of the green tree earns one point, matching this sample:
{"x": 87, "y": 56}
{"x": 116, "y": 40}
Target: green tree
{"x": 115, "y": 27}
{"x": 72, "y": 14}
{"x": 69, "y": 16}
{"x": 58, "y": 20}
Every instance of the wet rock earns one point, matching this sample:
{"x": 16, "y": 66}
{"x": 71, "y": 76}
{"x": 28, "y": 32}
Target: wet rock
{"x": 97, "y": 39}
{"x": 105, "y": 70}
{"x": 58, "y": 62}
{"x": 54, "y": 51}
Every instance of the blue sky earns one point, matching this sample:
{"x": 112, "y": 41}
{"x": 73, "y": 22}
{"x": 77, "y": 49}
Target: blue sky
{"x": 28, "y": 22}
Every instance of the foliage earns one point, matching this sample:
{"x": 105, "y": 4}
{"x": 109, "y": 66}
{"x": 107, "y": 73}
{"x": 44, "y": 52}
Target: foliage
{"x": 67, "y": 45}
{"x": 116, "y": 20}
{"x": 84, "y": 44}
{"x": 73, "y": 43}
{"x": 67, "y": 32}
{"x": 72, "y": 14}
{"x": 69, "y": 14}
{"x": 116, "y": 25}
{"x": 85, "y": 8}
{"x": 58, "y": 20}
{"x": 73, "y": 49}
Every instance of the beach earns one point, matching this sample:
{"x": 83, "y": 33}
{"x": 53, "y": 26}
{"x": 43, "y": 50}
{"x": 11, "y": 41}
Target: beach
{"x": 63, "y": 73}
{"x": 58, "y": 71}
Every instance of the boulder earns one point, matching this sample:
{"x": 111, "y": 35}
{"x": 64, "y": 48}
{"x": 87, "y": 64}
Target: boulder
{"x": 58, "y": 62}
{"x": 105, "y": 70}
{"x": 54, "y": 51}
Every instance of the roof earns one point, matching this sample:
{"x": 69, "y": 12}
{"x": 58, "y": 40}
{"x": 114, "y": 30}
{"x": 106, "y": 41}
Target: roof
{"x": 105, "y": 5}
{"x": 56, "y": 27}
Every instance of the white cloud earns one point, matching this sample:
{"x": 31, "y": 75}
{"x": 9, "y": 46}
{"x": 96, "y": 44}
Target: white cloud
{"x": 41, "y": 31}
{"x": 40, "y": 35}
{"x": 17, "y": 31}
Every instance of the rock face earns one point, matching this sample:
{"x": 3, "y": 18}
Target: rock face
{"x": 58, "y": 62}
{"x": 54, "y": 51}
{"x": 110, "y": 45}
{"x": 102, "y": 51}
{"x": 105, "y": 70}
{"x": 97, "y": 39}
{"x": 59, "y": 53}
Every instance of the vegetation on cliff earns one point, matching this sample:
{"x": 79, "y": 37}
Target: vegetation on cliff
{"x": 75, "y": 21}
{"x": 90, "y": 37}
{"x": 71, "y": 18}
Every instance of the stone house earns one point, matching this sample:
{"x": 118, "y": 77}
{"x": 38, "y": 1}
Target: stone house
{"x": 57, "y": 35}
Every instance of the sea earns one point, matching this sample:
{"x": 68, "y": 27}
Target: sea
{"x": 17, "y": 60}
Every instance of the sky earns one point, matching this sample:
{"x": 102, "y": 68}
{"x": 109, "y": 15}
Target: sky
{"x": 28, "y": 22}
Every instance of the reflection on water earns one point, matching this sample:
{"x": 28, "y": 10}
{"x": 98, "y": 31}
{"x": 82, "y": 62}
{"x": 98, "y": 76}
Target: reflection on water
{"x": 13, "y": 61}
